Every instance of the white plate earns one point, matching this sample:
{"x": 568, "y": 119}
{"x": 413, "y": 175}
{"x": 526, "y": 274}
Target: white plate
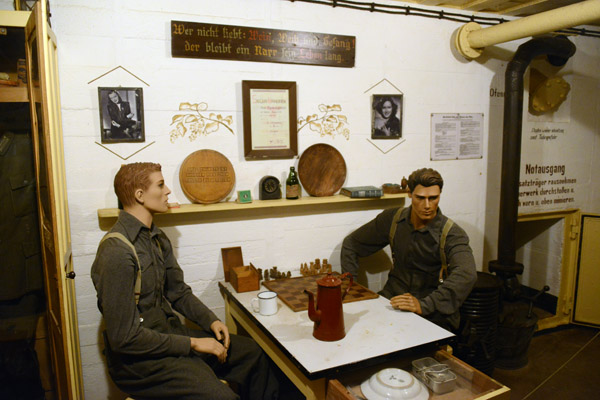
{"x": 394, "y": 384}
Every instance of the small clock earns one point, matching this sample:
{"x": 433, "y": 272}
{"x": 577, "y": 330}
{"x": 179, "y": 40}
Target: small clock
{"x": 270, "y": 188}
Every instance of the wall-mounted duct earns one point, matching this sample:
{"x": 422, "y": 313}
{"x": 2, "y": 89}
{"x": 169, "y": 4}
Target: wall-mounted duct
{"x": 546, "y": 94}
{"x": 558, "y": 50}
{"x": 471, "y": 39}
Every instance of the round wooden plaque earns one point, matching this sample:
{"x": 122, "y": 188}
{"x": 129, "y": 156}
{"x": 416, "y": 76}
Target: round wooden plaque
{"x": 322, "y": 170}
{"x": 206, "y": 176}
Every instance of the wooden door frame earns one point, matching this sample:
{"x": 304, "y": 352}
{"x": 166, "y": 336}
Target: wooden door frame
{"x": 55, "y": 228}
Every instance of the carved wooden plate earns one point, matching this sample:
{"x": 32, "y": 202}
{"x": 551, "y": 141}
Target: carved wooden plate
{"x": 206, "y": 176}
{"x": 322, "y": 170}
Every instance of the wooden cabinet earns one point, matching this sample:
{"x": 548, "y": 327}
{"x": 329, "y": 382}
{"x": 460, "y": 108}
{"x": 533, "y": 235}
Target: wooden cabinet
{"x": 578, "y": 292}
{"x": 42, "y": 94}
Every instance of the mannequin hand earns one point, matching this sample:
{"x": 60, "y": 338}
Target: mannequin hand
{"x": 209, "y": 346}
{"x": 221, "y": 332}
{"x": 406, "y": 302}
{"x": 115, "y": 124}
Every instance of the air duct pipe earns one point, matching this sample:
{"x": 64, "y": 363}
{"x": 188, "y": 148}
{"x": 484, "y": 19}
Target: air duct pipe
{"x": 558, "y": 50}
{"x": 471, "y": 39}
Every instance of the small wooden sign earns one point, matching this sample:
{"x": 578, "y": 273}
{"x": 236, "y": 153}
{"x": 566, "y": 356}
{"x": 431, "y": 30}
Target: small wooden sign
{"x": 244, "y": 43}
{"x": 206, "y": 176}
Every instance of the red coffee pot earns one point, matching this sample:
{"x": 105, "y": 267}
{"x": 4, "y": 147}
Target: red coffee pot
{"x": 328, "y": 315}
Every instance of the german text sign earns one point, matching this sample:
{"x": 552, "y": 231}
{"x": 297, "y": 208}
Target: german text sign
{"x": 243, "y": 43}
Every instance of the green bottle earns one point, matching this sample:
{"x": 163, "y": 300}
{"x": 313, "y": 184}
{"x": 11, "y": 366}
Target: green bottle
{"x": 292, "y": 185}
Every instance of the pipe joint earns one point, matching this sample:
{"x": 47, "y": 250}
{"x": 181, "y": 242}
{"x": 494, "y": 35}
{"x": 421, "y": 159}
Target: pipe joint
{"x": 461, "y": 41}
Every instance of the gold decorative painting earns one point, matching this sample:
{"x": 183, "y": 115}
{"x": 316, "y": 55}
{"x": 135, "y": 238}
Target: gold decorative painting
{"x": 328, "y": 124}
{"x": 194, "y": 124}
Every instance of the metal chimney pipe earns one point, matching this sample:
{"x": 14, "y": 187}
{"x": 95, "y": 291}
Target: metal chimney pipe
{"x": 558, "y": 50}
{"x": 472, "y": 39}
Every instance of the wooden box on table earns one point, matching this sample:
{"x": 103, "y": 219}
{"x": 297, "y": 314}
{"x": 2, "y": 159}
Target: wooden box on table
{"x": 244, "y": 279}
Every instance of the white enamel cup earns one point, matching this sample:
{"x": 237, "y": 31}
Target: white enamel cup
{"x": 265, "y": 303}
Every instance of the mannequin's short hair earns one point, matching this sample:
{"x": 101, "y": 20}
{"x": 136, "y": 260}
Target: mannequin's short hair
{"x": 425, "y": 177}
{"x": 132, "y": 177}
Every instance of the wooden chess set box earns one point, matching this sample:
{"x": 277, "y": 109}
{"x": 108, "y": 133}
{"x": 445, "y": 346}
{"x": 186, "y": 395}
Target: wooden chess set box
{"x": 243, "y": 278}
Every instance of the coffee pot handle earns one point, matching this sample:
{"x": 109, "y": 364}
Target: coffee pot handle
{"x": 345, "y": 275}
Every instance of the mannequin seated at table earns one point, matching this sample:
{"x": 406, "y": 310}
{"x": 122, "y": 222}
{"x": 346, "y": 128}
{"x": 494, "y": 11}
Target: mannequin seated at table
{"x": 423, "y": 241}
{"x": 150, "y": 353}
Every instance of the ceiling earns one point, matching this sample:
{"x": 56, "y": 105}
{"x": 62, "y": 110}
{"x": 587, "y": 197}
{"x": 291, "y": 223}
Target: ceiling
{"x": 517, "y": 8}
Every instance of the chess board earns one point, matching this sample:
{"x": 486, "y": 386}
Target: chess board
{"x": 291, "y": 291}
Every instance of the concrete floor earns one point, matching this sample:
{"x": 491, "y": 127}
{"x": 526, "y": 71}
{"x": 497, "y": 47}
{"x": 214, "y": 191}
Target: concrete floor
{"x": 562, "y": 364}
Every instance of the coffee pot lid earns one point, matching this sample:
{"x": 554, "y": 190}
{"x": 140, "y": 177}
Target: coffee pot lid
{"x": 329, "y": 280}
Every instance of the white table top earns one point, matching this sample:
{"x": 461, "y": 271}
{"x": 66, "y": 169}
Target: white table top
{"x": 373, "y": 329}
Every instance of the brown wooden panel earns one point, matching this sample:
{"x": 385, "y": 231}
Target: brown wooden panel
{"x": 244, "y": 43}
{"x": 232, "y": 257}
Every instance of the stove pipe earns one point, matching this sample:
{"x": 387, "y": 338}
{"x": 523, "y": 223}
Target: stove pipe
{"x": 558, "y": 50}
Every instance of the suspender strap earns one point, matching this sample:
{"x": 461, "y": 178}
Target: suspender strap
{"x": 138, "y": 279}
{"x": 445, "y": 230}
{"x": 393, "y": 227}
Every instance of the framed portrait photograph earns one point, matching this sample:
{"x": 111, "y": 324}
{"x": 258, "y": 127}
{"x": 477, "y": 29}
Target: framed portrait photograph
{"x": 386, "y": 121}
{"x": 270, "y": 116}
{"x": 121, "y": 114}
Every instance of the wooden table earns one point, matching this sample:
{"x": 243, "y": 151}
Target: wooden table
{"x": 375, "y": 334}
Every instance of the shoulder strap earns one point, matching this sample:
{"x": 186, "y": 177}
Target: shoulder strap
{"x": 445, "y": 230}
{"x": 395, "y": 225}
{"x": 138, "y": 279}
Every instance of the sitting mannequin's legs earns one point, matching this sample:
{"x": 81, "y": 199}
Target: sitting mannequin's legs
{"x": 249, "y": 368}
{"x": 197, "y": 376}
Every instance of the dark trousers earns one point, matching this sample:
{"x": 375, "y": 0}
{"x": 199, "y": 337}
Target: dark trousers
{"x": 197, "y": 376}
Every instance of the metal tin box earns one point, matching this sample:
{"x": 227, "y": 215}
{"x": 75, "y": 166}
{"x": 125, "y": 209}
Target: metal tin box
{"x": 438, "y": 377}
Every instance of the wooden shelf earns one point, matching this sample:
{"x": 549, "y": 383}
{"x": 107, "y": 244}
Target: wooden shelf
{"x": 14, "y": 94}
{"x": 337, "y": 202}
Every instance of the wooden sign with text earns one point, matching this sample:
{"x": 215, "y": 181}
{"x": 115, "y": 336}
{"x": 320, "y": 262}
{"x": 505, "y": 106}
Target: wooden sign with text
{"x": 243, "y": 43}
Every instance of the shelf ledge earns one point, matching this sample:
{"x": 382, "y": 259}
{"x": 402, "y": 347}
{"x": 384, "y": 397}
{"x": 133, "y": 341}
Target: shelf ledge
{"x": 230, "y": 206}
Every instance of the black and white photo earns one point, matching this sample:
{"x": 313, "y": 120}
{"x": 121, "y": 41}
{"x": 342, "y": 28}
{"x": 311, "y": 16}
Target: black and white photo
{"x": 121, "y": 114}
{"x": 386, "y": 116}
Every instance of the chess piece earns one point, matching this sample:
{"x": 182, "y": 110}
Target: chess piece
{"x": 404, "y": 184}
{"x": 266, "y": 275}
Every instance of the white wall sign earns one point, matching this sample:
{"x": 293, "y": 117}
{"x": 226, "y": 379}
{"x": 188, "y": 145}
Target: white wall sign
{"x": 456, "y": 136}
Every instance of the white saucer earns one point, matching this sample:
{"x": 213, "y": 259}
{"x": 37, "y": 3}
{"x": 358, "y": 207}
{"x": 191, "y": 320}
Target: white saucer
{"x": 394, "y": 384}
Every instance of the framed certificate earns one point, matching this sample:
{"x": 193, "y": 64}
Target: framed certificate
{"x": 269, "y": 119}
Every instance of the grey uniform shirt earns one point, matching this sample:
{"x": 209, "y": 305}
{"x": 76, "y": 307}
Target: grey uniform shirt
{"x": 128, "y": 326}
{"x": 417, "y": 260}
